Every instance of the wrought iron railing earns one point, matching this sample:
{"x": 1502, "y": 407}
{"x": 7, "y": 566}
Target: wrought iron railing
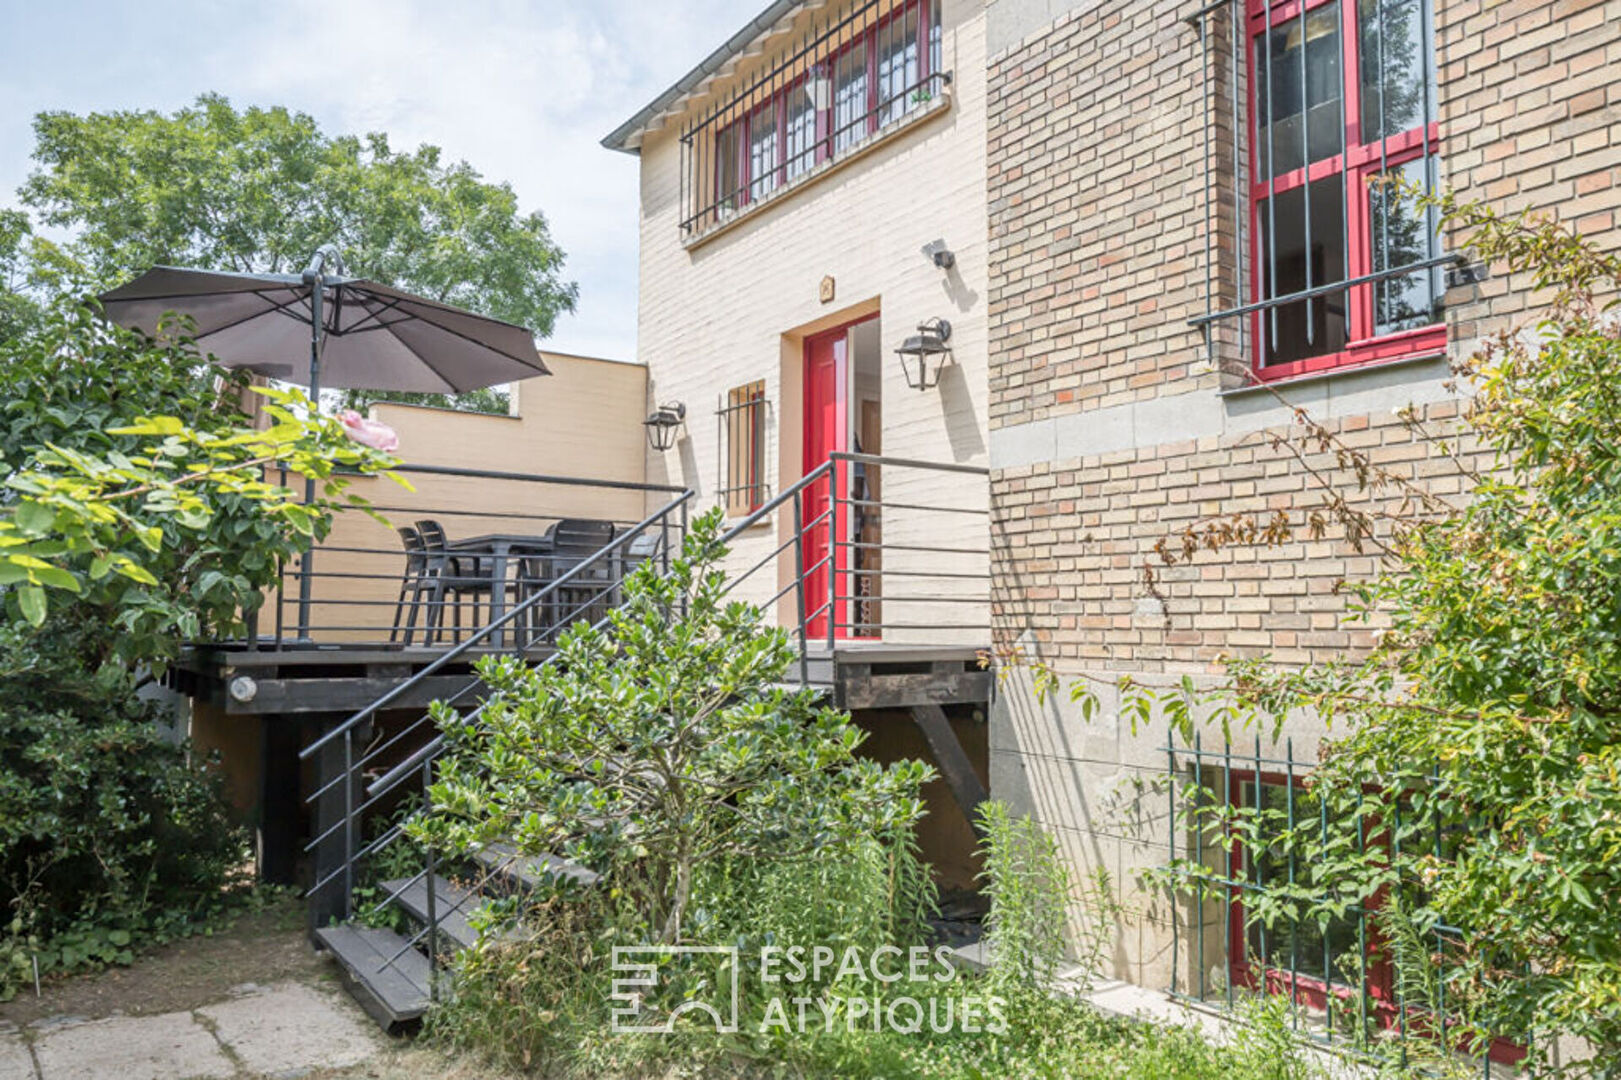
{"x": 846, "y": 81}
{"x": 1343, "y": 984}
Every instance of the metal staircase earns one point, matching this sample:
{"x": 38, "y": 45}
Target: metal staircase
{"x": 367, "y": 762}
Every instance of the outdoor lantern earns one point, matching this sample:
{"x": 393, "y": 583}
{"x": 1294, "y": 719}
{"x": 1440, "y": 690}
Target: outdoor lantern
{"x": 662, "y": 425}
{"x": 920, "y": 354}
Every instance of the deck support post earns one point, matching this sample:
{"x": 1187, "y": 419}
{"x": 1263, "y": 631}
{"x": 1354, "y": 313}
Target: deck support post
{"x": 952, "y": 760}
{"x": 279, "y": 742}
{"x": 332, "y": 901}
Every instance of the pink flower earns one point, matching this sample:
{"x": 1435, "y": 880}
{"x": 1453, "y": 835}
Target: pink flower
{"x": 372, "y": 433}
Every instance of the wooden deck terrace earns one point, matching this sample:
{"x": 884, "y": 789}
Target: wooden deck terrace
{"x": 295, "y": 682}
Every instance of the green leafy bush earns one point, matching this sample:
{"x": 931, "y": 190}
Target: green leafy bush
{"x": 137, "y": 505}
{"x": 662, "y": 743}
{"x": 109, "y": 837}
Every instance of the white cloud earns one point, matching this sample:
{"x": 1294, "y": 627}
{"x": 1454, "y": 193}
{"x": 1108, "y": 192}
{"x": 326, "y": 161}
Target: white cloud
{"x": 523, "y": 91}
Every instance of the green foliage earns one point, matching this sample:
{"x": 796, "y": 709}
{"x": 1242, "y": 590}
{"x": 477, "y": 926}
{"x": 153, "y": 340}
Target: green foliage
{"x": 661, "y": 743}
{"x": 136, "y": 514}
{"x": 1029, "y": 886}
{"x": 108, "y": 835}
{"x": 491, "y": 400}
{"x": 1478, "y": 785}
{"x": 134, "y": 498}
{"x": 258, "y": 190}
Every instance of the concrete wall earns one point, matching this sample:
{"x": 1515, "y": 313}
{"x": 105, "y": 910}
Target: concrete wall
{"x": 583, "y": 421}
{"x": 737, "y": 306}
{"x": 1109, "y": 431}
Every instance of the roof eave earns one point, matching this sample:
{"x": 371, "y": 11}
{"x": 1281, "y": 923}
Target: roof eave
{"x": 626, "y": 138}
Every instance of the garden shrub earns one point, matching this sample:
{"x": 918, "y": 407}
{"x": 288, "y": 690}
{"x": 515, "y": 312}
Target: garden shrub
{"x": 135, "y": 517}
{"x": 109, "y": 837}
{"x": 578, "y": 757}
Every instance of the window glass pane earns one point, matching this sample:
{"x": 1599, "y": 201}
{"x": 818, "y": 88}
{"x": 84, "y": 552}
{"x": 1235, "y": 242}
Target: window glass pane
{"x": 1401, "y": 233}
{"x": 1288, "y": 109}
{"x": 1397, "y": 60}
{"x": 1328, "y": 953}
{"x": 728, "y": 174}
{"x": 937, "y": 60}
{"x": 850, "y": 97}
{"x": 801, "y": 124}
{"x": 763, "y": 159}
{"x": 898, "y": 72}
{"x": 1302, "y": 329}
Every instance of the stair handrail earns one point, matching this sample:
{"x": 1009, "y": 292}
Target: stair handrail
{"x": 484, "y": 632}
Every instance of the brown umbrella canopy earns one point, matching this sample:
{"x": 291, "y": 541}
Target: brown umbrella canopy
{"x": 374, "y": 337}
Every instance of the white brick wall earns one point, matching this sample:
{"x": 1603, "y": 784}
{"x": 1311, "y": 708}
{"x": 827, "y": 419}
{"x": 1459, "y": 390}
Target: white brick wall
{"x": 735, "y": 307}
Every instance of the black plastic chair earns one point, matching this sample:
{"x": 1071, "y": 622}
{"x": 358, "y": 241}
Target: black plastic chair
{"x": 588, "y": 593}
{"x": 454, "y": 577}
{"x": 647, "y": 544}
{"x": 414, "y": 582}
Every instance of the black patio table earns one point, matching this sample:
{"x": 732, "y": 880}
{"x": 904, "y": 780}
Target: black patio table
{"x": 499, "y": 549}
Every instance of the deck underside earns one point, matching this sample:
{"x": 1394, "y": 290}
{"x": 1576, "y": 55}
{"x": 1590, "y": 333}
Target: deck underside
{"x": 336, "y": 679}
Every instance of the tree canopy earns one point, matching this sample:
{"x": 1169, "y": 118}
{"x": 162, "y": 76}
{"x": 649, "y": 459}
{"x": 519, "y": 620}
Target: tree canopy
{"x": 257, "y": 190}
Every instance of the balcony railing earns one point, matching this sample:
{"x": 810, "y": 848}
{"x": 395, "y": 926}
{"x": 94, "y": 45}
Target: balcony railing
{"x": 457, "y": 553}
{"x": 846, "y": 83}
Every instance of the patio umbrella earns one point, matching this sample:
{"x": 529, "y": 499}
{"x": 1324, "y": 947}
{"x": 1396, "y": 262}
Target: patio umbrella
{"x": 359, "y": 335}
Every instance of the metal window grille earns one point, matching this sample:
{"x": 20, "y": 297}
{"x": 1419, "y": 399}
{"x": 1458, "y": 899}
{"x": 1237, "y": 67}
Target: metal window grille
{"x": 1337, "y": 976}
{"x": 741, "y": 419}
{"x": 845, "y": 82}
{"x": 1305, "y": 104}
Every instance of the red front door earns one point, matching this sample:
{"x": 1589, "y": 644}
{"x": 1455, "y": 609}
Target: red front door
{"x": 827, "y": 368}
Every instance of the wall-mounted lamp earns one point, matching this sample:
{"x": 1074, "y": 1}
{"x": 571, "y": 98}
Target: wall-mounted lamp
{"x": 939, "y": 254}
{"x": 663, "y": 424}
{"x": 920, "y": 354}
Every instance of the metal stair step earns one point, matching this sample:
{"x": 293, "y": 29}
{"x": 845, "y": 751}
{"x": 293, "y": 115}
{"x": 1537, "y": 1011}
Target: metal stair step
{"x": 452, "y": 905}
{"x": 503, "y": 861}
{"x": 392, "y": 994}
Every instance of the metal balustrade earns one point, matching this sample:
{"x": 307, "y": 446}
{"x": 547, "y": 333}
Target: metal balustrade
{"x": 833, "y": 573}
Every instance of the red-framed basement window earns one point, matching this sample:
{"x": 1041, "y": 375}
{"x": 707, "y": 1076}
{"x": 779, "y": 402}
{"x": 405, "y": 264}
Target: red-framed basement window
{"x": 1341, "y": 94}
{"x": 875, "y": 65}
{"x": 1320, "y": 965}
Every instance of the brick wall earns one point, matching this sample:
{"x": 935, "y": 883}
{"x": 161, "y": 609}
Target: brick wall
{"x": 1112, "y": 429}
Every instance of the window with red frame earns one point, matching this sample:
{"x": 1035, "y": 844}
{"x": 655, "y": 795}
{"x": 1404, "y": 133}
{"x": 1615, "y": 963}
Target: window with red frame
{"x": 1306, "y": 959}
{"x": 886, "y": 66}
{"x": 1342, "y": 94}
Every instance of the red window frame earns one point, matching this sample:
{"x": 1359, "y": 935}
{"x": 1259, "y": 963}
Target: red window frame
{"x": 1306, "y": 989}
{"x": 1360, "y": 162}
{"x": 825, "y": 136}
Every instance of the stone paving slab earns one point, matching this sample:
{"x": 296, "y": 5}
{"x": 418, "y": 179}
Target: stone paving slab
{"x": 171, "y": 1046}
{"x": 290, "y": 1029}
{"x": 15, "y": 1064}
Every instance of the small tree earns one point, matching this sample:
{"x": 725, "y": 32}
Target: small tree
{"x": 662, "y": 741}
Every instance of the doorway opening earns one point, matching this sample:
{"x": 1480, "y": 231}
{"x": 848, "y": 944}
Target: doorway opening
{"x": 844, "y": 414}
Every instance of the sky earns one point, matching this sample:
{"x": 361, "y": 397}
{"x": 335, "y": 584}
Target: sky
{"x": 523, "y": 91}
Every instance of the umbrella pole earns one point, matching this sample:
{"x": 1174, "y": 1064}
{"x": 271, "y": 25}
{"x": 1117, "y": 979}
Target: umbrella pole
{"x": 307, "y": 563}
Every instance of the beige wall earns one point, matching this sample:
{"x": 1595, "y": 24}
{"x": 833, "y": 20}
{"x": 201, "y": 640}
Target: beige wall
{"x": 582, "y": 421}
{"x": 737, "y": 305}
